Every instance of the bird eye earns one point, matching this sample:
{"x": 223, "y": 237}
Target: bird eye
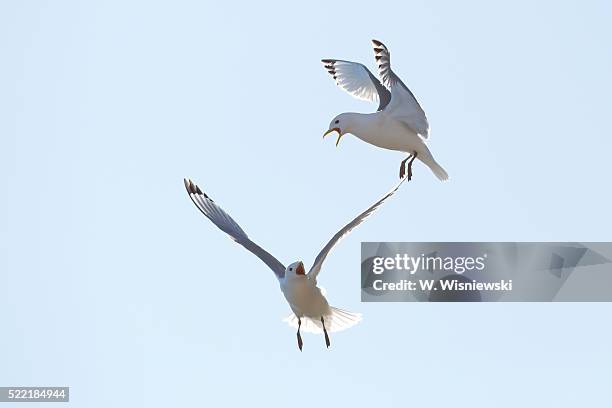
{"x": 337, "y": 121}
{"x": 290, "y": 269}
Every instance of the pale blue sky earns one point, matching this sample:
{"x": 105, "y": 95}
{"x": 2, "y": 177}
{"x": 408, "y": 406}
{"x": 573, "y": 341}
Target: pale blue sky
{"x": 115, "y": 285}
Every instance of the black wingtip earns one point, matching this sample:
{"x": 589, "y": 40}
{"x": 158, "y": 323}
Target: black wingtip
{"x": 377, "y": 43}
{"x": 193, "y": 188}
{"x": 187, "y": 184}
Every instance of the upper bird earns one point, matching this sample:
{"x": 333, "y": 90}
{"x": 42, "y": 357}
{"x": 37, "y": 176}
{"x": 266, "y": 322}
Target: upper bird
{"x": 398, "y": 124}
{"x": 306, "y": 300}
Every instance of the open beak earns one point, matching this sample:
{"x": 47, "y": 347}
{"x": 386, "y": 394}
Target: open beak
{"x": 334, "y": 130}
{"x": 300, "y": 269}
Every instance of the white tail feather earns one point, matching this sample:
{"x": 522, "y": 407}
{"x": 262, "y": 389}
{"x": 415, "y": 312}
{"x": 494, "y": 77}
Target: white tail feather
{"x": 335, "y": 321}
{"x": 440, "y": 173}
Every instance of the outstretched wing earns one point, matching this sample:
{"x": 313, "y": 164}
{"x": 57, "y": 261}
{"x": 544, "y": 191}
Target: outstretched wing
{"x": 403, "y": 106}
{"x": 226, "y": 224}
{"x": 316, "y": 267}
{"x": 358, "y": 81}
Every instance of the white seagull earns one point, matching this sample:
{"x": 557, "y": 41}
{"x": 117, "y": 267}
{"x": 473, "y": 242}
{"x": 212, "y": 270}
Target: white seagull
{"x": 399, "y": 123}
{"x": 306, "y": 300}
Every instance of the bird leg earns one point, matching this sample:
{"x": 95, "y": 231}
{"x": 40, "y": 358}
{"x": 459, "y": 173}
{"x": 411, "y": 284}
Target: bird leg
{"x": 403, "y": 167}
{"x": 299, "y": 336}
{"x": 410, "y": 166}
{"x": 327, "y": 343}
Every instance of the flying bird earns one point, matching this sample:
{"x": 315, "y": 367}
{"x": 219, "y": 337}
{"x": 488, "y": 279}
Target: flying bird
{"x": 306, "y": 300}
{"x": 399, "y": 122}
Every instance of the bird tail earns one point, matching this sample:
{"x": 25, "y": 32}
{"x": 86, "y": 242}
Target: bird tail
{"x": 440, "y": 173}
{"x": 336, "y": 320}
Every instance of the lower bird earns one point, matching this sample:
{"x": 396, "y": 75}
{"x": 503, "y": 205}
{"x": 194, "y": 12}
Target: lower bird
{"x": 311, "y": 311}
{"x": 399, "y": 123}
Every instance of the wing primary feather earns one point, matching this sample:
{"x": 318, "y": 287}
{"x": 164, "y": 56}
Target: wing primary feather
{"x": 355, "y": 79}
{"x": 403, "y": 105}
{"x": 225, "y": 223}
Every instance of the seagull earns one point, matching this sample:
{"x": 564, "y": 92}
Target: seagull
{"x": 307, "y": 301}
{"x": 399, "y": 122}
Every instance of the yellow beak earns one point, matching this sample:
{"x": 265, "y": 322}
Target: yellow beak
{"x": 334, "y": 130}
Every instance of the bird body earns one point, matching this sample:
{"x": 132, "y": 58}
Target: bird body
{"x": 382, "y": 130}
{"x": 399, "y": 123}
{"x": 310, "y": 307}
{"x": 304, "y": 297}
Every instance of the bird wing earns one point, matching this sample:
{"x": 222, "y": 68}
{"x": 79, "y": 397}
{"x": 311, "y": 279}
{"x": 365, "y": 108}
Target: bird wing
{"x": 358, "y": 81}
{"x": 403, "y": 105}
{"x": 316, "y": 267}
{"x": 226, "y": 224}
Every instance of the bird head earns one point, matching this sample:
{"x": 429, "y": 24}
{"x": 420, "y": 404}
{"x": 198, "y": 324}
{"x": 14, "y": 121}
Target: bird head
{"x": 338, "y": 124}
{"x": 296, "y": 269}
